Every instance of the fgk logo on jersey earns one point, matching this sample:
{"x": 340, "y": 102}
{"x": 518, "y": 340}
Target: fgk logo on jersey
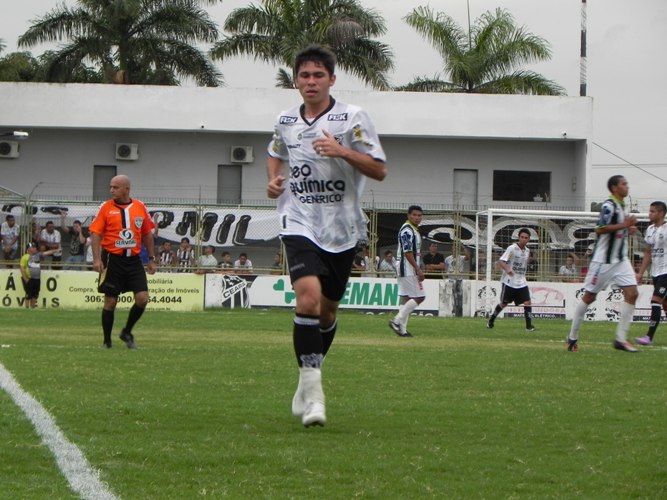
{"x": 138, "y": 221}
{"x": 340, "y": 117}
{"x": 288, "y": 119}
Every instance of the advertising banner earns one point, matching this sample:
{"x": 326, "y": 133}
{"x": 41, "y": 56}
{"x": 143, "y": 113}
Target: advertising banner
{"x": 558, "y": 300}
{"x": 372, "y": 294}
{"x": 78, "y": 290}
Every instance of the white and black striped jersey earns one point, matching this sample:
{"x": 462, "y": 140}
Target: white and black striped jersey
{"x": 517, "y": 259}
{"x": 656, "y": 240}
{"x": 322, "y": 196}
{"x": 611, "y": 248}
{"x": 409, "y": 240}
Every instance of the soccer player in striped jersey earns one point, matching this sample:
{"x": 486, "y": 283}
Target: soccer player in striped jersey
{"x": 610, "y": 264}
{"x": 654, "y": 256}
{"x": 330, "y": 148}
{"x": 514, "y": 263}
{"x": 409, "y": 274}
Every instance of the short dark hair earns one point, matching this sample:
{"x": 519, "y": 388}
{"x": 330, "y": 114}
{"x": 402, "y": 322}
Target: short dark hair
{"x": 660, "y": 205}
{"x": 317, "y": 54}
{"x": 524, "y": 230}
{"x": 9, "y": 216}
{"x": 388, "y": 252}
{"x": 77, "y": 222}
{"x": 225, "y": 253}
{"x": 614, "y": 180}
{"x": 243, "y": 254}
{"x": 413, "y": 208}
{"x": 185, "y": 239}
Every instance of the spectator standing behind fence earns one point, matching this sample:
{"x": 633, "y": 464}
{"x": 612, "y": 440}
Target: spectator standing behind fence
{"x": 388, "y": 263}
{"x": 277, "y": 266}
{"x": 243, "y": 264}
{"x": 31, "y": 273}
{"x": 166, "y": 258}
{"x": 410, "y": 276}
{"x": 207, "y": 261}
{"x": 226, "y": 261}
{"x": 77, "y": 246}
{"x": 568, "y": 272}
{"x": 320, "y": 210}
{"x": 10, "y": 239}
{"x": 185, "y": 256}
{"x": 655, "y": 257}
{"x": 117, "y": 232}
{"x": 610, "y": 264}
{"x": 514, "y": 263}
{"x": 434, "y": 262}
{"x": 458, "y": 264}
{"x": 50, "y": 239}
{"x": 362, "y": 262}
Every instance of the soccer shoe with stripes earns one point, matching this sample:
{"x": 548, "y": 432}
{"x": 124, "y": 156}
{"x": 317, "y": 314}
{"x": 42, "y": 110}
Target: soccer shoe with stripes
{"x": 645, "y": 340}
{"x": 128, "y": 338}
{"x": 624, "y": 346}
{"x": 571, "y": 345}
{"x": 396, "y": 328}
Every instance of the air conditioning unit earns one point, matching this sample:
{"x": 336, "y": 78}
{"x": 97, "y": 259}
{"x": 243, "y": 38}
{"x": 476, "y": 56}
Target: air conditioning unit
{"x": 241, "y": 154}
{"x": 9, "y": 149}
{"x": 126, "y": 151}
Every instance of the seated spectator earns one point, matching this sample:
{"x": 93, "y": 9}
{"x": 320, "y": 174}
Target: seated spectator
{"x": 243, "y": 264}
{"x": 9, "y": 232}
{"x": 388, "y": 263}
{"x": 207, "y": 261}
{"x": 166, "y": 258}
{"x": 184, "y": 256}
{"x": 226, "y": 261}
{"x": 569, "y": 272}
{"x": 434, "y": 262}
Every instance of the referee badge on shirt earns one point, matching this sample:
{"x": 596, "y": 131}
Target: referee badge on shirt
{"x": 138, "y": 221}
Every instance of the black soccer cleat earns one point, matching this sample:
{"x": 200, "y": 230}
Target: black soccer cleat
{"x": 128, "y": 338}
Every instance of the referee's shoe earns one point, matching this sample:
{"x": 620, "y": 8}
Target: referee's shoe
{"x": 128, "y": 338}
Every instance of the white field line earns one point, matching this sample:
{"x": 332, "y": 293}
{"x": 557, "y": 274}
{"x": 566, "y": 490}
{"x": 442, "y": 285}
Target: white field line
{"x": 81, "y": 476}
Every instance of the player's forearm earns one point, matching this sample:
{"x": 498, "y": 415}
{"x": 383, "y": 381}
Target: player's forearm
{"x": 366, "y": 164}
{"x": 274, "y": 167}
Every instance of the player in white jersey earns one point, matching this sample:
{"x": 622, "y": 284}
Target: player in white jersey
{"x": 408, "y": 271}
{"x": 330, "y": 148}
{"x": 654, "y": 256}
{"x": 514, "y": 263}
{"x": 610, "y": 264}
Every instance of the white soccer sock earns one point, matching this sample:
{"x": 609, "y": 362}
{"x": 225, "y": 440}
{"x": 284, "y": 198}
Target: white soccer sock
{"x": 624, "y": 321}
{"x": 579, "y": 313}
{"x": 404, "y": 313}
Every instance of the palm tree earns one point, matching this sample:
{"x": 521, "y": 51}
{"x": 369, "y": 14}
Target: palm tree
{"x": 485, "y": 59}
{"x": 130, "y": 41}
{"x": 279, "y": 29}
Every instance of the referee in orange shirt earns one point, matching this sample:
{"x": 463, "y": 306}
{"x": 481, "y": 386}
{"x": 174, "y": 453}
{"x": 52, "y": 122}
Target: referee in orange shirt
{"x": 116, "y": 235}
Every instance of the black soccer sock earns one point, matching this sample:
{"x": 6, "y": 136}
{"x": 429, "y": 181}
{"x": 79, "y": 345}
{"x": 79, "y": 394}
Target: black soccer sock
{"x": 107, "y": 324}
{"x": 528, "y": 314}
{"x": 656, "y": 312}
{"x": 496, "y": 312}
{"x": 307, "y": 341}
{"x": 133, "y": 317}
{"x": 328, "y": 335}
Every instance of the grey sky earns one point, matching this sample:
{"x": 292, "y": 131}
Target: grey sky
{"x": 626, "y": 68}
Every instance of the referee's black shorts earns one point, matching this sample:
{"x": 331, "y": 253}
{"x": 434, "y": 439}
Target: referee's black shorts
{"x": 122, "y": 274}
{"x": 305, "y": 258}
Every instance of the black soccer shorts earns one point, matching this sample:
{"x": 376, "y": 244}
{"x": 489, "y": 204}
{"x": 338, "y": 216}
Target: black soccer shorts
{"x": 122, "y": 274}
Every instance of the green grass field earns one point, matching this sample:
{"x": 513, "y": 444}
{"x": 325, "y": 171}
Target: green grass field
{"x": 202, "y": 409}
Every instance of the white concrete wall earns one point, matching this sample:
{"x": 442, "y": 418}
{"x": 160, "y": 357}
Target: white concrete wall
{"x": 185, "y": 133}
